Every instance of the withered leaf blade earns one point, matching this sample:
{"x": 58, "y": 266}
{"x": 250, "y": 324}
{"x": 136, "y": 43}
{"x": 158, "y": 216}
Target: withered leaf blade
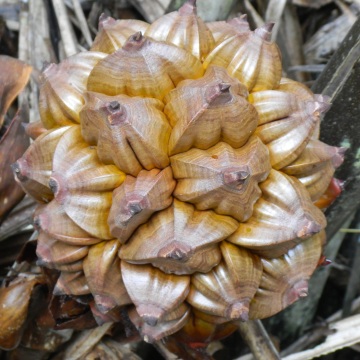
{"x": 72, "y": 312}
{"x": 13, "y": 77}
{"x": 40, "y": 334}
{"x": 14, "y": 245}
{"x": 311, "y": 3}
{"x": 124, "y": 331}
{"x": 111, "y": 350}
{"x": 40, "y": 338}
{"x": 79, "y": 346}
{"x": 14, "y": 304}
{"x": 12, "y": 145}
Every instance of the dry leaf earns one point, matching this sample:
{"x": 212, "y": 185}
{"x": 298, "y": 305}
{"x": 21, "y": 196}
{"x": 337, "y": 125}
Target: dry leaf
{"x": 12, "y": 145}
{"x": 13, "y": 77}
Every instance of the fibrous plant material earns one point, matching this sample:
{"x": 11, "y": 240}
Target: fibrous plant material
{"x": 14, "y": 75}
{"x": 177, "y": 176}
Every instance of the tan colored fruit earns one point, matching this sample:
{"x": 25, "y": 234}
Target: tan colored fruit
{"x": 178, "y": 174}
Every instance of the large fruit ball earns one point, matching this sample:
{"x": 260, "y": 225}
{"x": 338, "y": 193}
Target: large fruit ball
{"x": 178, "y": 174}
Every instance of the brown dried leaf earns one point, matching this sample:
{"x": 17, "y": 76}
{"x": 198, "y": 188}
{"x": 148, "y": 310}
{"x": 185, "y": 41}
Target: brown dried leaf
{"x": 41, "y": 336}
{"x": 14, "y": 304}
{"x": 13, "y": 77}
{"x": 111, "y": 350}
{"x": 328, "y": 38}
{"x": 85, "y": 342}
{"x": 71, "y": 312}
{"x": 316, "y": 4}
{"x": 15, "y": 139}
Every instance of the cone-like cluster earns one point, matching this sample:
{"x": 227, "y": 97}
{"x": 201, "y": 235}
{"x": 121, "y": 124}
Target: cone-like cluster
{"x": 178, "y": 174}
